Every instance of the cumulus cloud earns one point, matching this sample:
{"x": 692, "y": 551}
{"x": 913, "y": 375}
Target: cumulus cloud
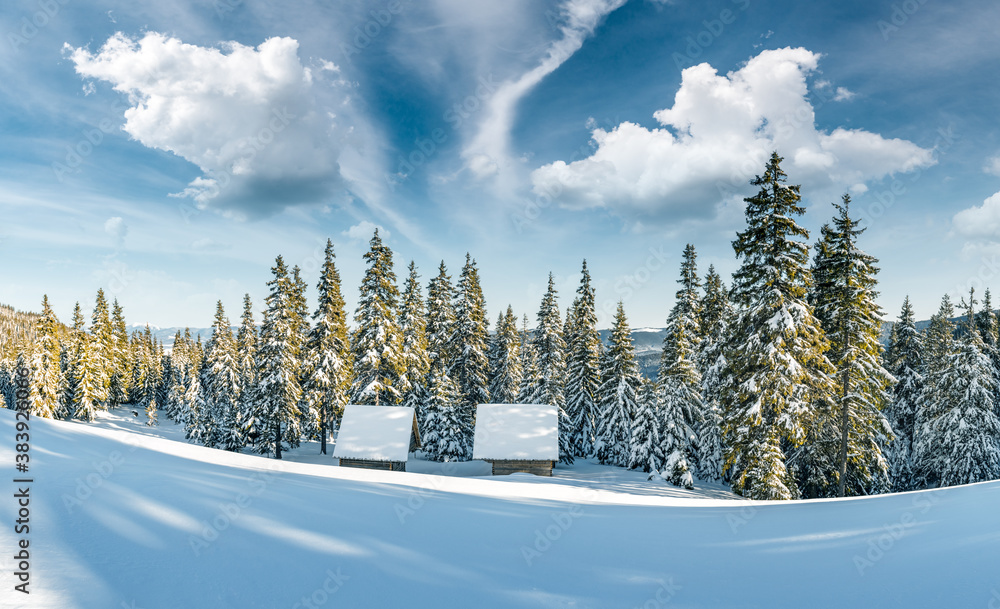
{"x": 116, "y": 227}
{"x": 246, "y": 116}
{"x": 981, "y": 221}
{"x": 717, "y": 136}
{"x": 364, "y": 230}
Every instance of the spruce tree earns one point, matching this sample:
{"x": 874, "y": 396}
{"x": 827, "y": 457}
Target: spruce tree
{"x": 470, "y": 369}
{"x": 327, "y": 361}
{"x": 88, "y": 393}
{"x": 939, "y": 348}
{"x": 446, "y": 432}
{"x": 46, "y": 366}
{"x": 549, "y": 352}
{"x": 583, "y": 373}
{"x": 377, "y": 342}
{"x": 413, "y": 325}
{"x": 277, "y": 391}
{"x": 529, "y": 366}
{"x": 120, "y": 357}
{"x": 618, "y": 394}
{"x": 505, "y": 360}
{"x": 963, "y": 440}
{"x": 102, "y": 337}
{"x": 679, "y": 381}
{"x": 905, "y": 361}
{"x": 645, "y": 446}
{"x": 716, "y": 314}
{"x": 223, "y": 387}
{"x": 776, "y": 363}
{"x": 844, "y": 300}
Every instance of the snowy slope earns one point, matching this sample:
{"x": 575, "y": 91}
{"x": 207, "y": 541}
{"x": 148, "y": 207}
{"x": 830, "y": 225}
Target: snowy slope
{"x": 122, "y": 520}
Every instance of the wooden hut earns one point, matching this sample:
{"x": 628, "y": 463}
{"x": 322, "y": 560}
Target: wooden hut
{"x": 376, "y": 437}
{"x": 517, "y": 438}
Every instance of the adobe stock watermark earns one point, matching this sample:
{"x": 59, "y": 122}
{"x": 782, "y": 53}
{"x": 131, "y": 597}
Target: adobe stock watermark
{"x": 882, "y": 543}
{"x": 87, "y": 485}
{"x": 664, "y": 594}
{"x": 713, "y": 30}
{"x": 739, "y": 519}
{"x": 417, "y": 499}
{"x": 229, "y": 512}
{"x": 89, "y": 141}
{"x": 626, "y": 286}
{"x": 365, "y": 33}
{"x": 223, "y": 8}
{"x": 322, "y": 594}
{"x": 562, "y": 521}
{"x": 425, "y": 148}
{"x": 899, "y": 16}
{"x": 29, "y": 25}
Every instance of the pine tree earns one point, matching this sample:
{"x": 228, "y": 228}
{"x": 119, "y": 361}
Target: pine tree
{"x": 715, "y": 316}
{"x": 530, "y": 377}
{"x": 583, "y": 375}
{"x": 103, "y": 349}
{"x": 618, "y": 394}
{"x": 446, "y": 431}
{"x": 777, "y": 367}
{"x": 678, "y": 381}
{"x": 505, "y": 360}
{"x": 905, "y": 361}
{"x": 277, "y": 390}
{"x": 69, "y": 358}
{"x": 413, "y": 324}
{"x": 471, "y": 367}
{"x": 645, "y": 446}
{"x": 222, "y": 389}
{"x": 120, "y": 358}
{"x": 548, "y": 350}
{"x": 151, "y": 413}
{"x": 88, "y": 392}
{"x": 47, "y": 386}
{"x": 377, "y": 344}
{"x": 963, "y": 440}
{"x": 844, "y": 301}
{"x": 939, "y": 348}
{"x": 327, "y": 361}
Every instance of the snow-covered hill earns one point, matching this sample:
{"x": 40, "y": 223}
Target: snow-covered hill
{"x": 123, "y": 518}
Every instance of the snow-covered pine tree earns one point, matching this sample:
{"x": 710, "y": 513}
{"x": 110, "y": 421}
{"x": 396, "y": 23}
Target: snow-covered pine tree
{"x": 151, "y": 363}
{"x": 678, "y": 380}
{"x": 965, "y": 439}
{"x": 46, "y": 366}
{"x": 377, "y": 342}
{"x": 102, "y": 338}
{"x": 645, "y": 449}
{"x": 986, "y": 322}
{"x": 939, "y": 347}
{"x": 246, "y": 344}
{"x": 506, "y": 373}
{"x": 198, "y": 421}
{"x": 776, "y": 363}
{"x": 470, "y": 369}
{"x": 277, "y": 391}
{"x": 327, "y": 361}
{"x": 88, "y": 392}
{"x": 549, "y": 352}
{"x": 120, "y": 357}
{"x": 844, "y": 300}
{"x": 716, "y": 313}
{"x": 69, "y": 352}
{"x": 583, "y": 375}
{"x": 413, "y": 325}
{"x": 529, "y": 366}
{"x": 618, "y": 394}
{"x": 905, "y": 361}
{"x": 446, "y": 433}
{"x": 222, "y": 389}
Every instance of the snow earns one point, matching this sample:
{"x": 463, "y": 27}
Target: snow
{"x": 122, "y": 518}
{"x": 517, "y": 431}
{"x": 377, "y": 433}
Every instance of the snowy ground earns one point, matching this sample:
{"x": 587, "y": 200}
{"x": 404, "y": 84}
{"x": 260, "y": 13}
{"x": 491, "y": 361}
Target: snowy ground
{"x": 126, "y": 516}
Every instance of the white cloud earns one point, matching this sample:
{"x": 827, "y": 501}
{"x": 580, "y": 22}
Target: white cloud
{"x": 843, "y": 94}
{"x": 488, "y": 153}
{"x": 992, "y": 166}
{"x": 116, "y": 227}
{"x": 364, "y": 230}
{"x": 246, "y": 116}
{"x": 982, "y": 221}
{"x": 716, "y": 137}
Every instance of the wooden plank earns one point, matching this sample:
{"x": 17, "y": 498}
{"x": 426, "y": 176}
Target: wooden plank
{"x": 506, "y": 467}
{"x": 395, "y": 466}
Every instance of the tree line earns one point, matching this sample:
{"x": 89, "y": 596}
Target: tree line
{"x": 777, "y": 384}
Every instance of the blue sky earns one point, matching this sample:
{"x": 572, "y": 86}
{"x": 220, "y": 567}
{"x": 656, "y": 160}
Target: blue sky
{"x": 168, "y": 153}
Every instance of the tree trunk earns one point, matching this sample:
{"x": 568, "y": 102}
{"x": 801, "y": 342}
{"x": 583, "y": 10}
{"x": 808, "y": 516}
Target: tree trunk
{"x": 845, "y": 427}
{"x": 322, "y": 431}
{"x": 277, "y": 440}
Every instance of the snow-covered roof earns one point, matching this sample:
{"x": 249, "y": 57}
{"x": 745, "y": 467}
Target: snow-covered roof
{"x": 517, "y": 431}
{"x": 376, "y": 433}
